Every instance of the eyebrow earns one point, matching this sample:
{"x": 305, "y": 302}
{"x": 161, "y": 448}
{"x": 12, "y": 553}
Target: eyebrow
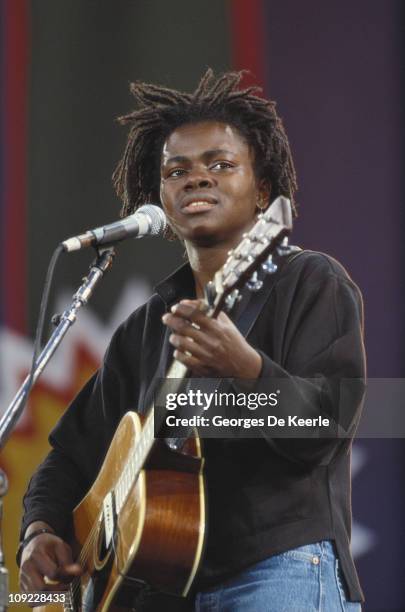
{"x": 181, "y": 159}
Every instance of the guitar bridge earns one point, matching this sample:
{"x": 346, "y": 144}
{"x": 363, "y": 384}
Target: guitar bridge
{"x": 109, "y": 518}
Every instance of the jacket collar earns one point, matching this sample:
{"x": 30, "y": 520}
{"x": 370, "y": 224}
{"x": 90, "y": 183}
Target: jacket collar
{"x": 179, "y": 285}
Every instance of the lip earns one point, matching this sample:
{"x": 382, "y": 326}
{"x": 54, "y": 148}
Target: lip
{"x": 200, "y": 197}
{"x": 203, "y": 207}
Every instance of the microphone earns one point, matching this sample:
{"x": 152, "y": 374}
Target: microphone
{"x": 148, "y": 220}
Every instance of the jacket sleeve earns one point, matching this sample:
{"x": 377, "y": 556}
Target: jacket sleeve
{"x": 320, "y": 362}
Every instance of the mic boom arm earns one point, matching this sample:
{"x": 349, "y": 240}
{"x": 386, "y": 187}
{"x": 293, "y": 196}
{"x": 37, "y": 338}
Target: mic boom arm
{"x": 13, "y": 412}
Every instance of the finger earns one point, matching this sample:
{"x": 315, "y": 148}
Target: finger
{"x": 182, "y": 329}
{"x": 63, "y": 554}
{"x": 59, "y": 586}
{"x": 189, "y": 324}
{"x": 205, "y": 344}
{"x": 189, "y": 346}
{"x": 192, "y": 363}
{"x": 49, "y": 581}
{"x": 65, "y": 568}
{"x": 181, "y": 325}
{"x": 65, "y": 573}
{"x": 223, "y": 318}
{"x": 200, "y": 305}
{"x": 191, "y": 312}
{"x": 31, "y": 579}
{"x": 62, "y": 577}
{"x": 38, "y": 565}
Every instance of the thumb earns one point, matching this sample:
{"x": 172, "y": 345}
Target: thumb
{"x": 64, "y": 560}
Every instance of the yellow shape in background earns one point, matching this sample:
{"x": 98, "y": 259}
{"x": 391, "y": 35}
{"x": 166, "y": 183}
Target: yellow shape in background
{"x": 27, "y": 448}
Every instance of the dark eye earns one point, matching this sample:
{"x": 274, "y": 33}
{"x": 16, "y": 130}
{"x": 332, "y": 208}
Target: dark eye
{"x": 176, "y": 172}
{"x": 221, "y": 165}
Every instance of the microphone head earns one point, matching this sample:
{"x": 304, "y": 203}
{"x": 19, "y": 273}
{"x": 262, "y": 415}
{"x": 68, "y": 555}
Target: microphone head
{"x": 156, "y": 216}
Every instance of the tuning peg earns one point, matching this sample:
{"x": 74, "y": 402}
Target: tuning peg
{"x": 269, "y": 266}
{"x": 231, "y": 299}
{"x": 286, "y": 249}
{"x": 210, "y": 293}
{"x": 254, "y": 284}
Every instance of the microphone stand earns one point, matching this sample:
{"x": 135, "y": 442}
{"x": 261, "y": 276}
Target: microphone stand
{"x": 15, "y": 409}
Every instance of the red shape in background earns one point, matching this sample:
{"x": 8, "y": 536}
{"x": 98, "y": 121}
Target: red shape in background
{"x": 247, "y": 35}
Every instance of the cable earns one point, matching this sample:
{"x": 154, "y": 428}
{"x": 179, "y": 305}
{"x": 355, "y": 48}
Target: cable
{"x": 41, "y": 318}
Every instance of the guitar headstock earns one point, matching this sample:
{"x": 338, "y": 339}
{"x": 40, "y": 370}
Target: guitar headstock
{"x": 243, "y": 262}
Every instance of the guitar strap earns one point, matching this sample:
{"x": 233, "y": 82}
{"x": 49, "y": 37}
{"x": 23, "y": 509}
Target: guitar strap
{"x": 246, "y": 317}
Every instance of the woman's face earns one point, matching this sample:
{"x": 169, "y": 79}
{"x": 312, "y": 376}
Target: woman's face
{"x": 208, "y": 187}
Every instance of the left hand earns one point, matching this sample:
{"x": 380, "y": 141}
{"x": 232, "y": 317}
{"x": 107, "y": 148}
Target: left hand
{"x": 210, "y": 347}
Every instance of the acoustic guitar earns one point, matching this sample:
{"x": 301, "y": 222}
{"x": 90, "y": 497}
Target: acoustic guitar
{"x": 143, "y": 520}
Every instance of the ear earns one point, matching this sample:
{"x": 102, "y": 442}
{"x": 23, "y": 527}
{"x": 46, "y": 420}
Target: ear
{"x": 264, "y": 193}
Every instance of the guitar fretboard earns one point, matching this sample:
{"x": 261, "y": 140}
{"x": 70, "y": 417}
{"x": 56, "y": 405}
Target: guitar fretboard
{"x": 143, "y": 446}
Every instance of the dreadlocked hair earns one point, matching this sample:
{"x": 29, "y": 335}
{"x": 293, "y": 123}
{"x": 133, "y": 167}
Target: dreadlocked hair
{"x": 161, "y": 110}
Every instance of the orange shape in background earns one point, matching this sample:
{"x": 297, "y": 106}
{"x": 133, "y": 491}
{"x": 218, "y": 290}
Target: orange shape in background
{"x": 29, "y": 444}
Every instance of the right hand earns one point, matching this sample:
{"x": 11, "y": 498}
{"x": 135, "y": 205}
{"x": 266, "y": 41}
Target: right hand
{"x": 47, "y": 564}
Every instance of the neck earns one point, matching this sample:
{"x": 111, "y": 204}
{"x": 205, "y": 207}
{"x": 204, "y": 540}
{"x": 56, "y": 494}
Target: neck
{"x": 205, "y": 261}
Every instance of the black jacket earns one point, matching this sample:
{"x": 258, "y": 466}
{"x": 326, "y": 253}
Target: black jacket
{"x": 265, "y": 495}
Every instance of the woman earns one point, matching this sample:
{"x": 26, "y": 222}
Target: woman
{"x": 279, "y": 509}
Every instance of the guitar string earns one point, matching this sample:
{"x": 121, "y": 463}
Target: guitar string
{"x": 75, "y": 586}
{"x": 76, "y": 583}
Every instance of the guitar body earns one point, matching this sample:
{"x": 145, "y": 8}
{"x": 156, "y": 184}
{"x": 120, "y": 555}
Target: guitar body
{"x": 159, "y": 531}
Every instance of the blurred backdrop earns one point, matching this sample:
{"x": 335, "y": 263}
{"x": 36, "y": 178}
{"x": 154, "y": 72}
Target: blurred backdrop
{"x": 336, "y": 70}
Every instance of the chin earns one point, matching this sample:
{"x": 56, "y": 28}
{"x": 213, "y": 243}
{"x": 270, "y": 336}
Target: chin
{"x": 206, "y": 241}
{"x": 202, "y": 234}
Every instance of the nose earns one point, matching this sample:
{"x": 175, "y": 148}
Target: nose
{"x": 198, "y": 180}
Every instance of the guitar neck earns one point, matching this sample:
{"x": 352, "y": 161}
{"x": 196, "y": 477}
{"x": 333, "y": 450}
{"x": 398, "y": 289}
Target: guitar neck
{"x": 257, "y": 245}
{"x": 177, "y": 371}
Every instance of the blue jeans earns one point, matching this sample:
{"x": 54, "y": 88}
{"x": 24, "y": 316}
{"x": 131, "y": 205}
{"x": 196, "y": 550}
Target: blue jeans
{"x": 306, "y": 579}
